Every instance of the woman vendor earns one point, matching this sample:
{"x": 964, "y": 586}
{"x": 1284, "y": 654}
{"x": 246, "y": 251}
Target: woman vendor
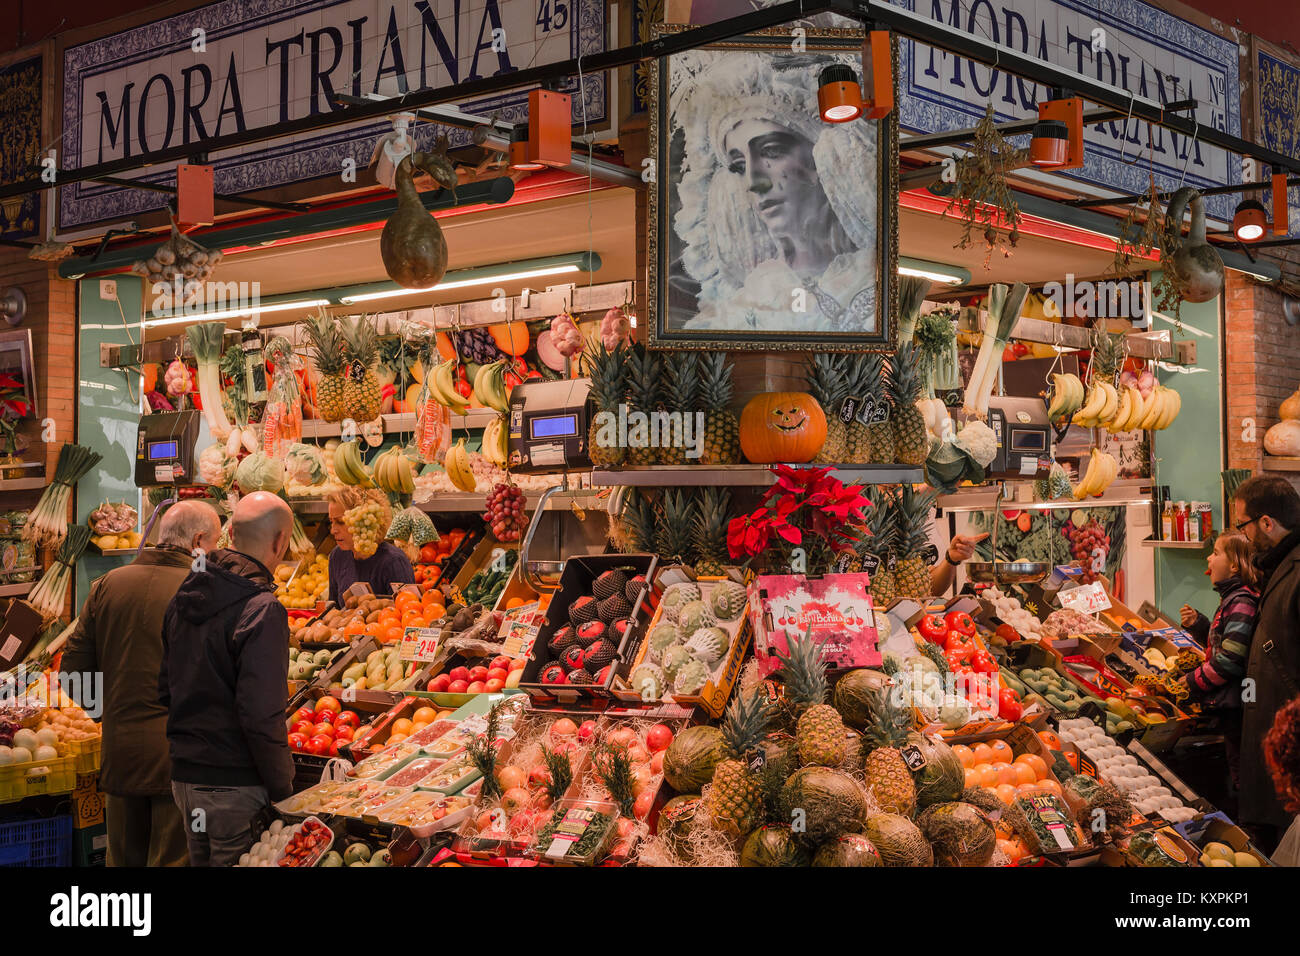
{"x": 382, "y": 569}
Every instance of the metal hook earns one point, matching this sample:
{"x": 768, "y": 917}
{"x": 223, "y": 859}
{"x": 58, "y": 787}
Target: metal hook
{"x": 1123, "y": 149}
{"x": 1196, "y": 132}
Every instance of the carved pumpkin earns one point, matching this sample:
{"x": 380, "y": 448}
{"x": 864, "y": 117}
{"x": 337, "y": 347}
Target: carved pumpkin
{"x": 412, "y": 245}
{"x": 782, "y": 426}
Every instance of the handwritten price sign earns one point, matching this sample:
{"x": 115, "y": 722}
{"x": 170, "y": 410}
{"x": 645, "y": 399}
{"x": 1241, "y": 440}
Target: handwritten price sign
{"x": 420, "y": 643}
{"x": 1086, "y": 598}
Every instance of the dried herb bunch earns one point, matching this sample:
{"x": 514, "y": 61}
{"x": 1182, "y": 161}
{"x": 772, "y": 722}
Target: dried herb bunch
{"x": 1141, "y": 233}
{"x": 983, "y": 198}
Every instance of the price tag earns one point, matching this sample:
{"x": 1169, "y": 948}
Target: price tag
{"x": 930, "y": 554}
{"x": 408, "y": 588}
{"x": 866, "y": 410}
{"x": 420, "y": 644}
{"x": 891, "y": 562}
{"x": 871, "y": 563}
{"x": 879, "y": 414}
{"x": 913, "y": 757}
{"x": 1086, "y": 598}
{"x": 359, "y": 590}
{"x": 519, "y": 629}
{"x": 849, "y": 409}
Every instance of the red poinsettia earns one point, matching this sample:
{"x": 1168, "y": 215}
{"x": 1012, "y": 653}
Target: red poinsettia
{"x": 807, "y": 508}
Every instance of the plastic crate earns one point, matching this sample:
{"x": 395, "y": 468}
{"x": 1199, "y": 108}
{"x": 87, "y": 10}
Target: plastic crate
{"x": 87, "y": 753}
{"x": 37, "y": 842}
{"x": 36, "y": 777}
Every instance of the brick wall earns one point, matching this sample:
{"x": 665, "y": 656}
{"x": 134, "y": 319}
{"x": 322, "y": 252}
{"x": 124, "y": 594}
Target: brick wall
{"x": 1262, "y": 365}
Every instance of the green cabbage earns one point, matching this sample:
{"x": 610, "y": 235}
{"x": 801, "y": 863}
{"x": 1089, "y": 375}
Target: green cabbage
{"x": 259, "y": 472}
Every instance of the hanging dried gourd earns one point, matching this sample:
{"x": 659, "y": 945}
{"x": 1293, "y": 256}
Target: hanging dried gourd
{"x": 412, "y": 244}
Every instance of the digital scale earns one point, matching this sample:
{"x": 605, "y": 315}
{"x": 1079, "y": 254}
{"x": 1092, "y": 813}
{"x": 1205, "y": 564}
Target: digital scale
{"x": 548, "y": 426}
{"x": 164, "y": 449}
{"x": 1024, "y": 437}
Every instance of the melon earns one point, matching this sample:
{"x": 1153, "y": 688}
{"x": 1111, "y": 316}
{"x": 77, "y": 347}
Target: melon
{"x": 773, "y": 845}
{"x": 691, "y": 757}
{"x": 832, "y": 802}
{"x": 676, "y": 820}
{"x": 899, "y": 840}
{"x": 854, "y": 695}
{"x": 942, "y": 778}
{"x": 848, "y": 849}
{"x": 960, "y": 834}
{"x": 985, "y": 799}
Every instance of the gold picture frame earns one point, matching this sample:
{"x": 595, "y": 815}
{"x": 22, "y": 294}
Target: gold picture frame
{"x": 734, "y": 263}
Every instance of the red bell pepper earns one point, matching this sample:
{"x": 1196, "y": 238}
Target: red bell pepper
{"x": 955, "y": 639}
{"x": 959, "y": 621}
{"x": 932, "y": 628}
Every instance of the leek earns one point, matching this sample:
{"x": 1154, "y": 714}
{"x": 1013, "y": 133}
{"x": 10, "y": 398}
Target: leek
{"x": 48, "y": 524}
{"x": 206, "y": 339}
{"x": 911, "y": 296}
{"x": 51, "y": 592}
{"x": 1004, "y": 310}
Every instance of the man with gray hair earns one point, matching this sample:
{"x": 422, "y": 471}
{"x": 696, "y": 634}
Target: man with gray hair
{"x": 225, "y": 683}
{"x": 117, "y": 648}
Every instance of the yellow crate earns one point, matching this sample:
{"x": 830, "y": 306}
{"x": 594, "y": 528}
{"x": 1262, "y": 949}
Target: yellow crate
{"x": 86, "y": 752}
{"x": 36, "y": 777}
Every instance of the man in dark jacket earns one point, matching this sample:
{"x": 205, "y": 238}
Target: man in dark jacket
{"x": 118, "y": 639}
{"x": 225, "y": 681}
{"x": 1267, "y": 511}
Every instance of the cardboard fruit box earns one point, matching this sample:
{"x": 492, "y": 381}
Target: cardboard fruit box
{"x": 580, "y": 572}
{"x": 1217, "y": 828}
{"x": 837, "y": 608}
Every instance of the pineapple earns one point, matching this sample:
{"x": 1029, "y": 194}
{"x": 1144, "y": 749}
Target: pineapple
{"x": 644, "y": 392}
{"x": 911, "y": 446}
{"x": 633, "y": 531}
{"x": 819, "y": 735}
{"x": 608, "y": 371}
{"x": 734, "y": 802}
{"x": 322, "y": 335}
{"x": 672, "y": 533}
{"x": 880, "y": 522}
{"x": 827, "y": 382}
{"x": 709, "y": 532}
{"x": 886, "y": 775}
{"x": 681, "y": 395}
{"x": 362, "y": 398}
{"x": 721, "y": 428}
{"x": 912, "y": 524}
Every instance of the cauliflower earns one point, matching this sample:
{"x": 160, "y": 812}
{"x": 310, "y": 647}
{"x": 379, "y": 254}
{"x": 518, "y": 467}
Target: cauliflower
{"x": 303, "y": 465}
{"x": 215, "y": 466}
{"x": 978, "y": 440}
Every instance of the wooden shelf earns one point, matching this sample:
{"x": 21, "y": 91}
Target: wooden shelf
{"x": 1184, "y": 545}
{"x": 1280, "y": 463}
{"x": 757, "y": 476}
{"x": 16, "y": 590}
{"x": 1122, "y": 491}
{"x": 403, "y": 422}
{"x": 23, "y": 484}
{"x": 461, "y": 501}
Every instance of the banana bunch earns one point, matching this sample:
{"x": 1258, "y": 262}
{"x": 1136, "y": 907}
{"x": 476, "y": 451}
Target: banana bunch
{"x": 1154, "y": 412}
{"x": 1102, "y": 470}
{"x": 393, "y": 473}
{"x": 1100, "y": 404}
{"x": 496, "y": 441}
{"x": 1067, "y": 397}
{"x": 442, "y": 386}
{"x": 458, "y": 470}
{"x": 490, "y": 386}
{"x": 348, "y": 466}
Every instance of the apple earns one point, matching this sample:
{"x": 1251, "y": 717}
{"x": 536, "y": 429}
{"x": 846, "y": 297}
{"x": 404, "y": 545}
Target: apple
{"x": 475, "y": 687}
{"x": 324, "y": 730}
{"x": 494, "y": 686}
{"x": 305, "y": 713}
{"x": 478, "y": 674}
{"x": 587, "y": 730}
{"x": 343, "y": 732}
{"x": 324, "y": 715}
{"x": 440, "y": 683}
{"x": 347, "y": 719}
{"x": 497, "y": 673}
{"x": 459, "y": 673}
{"x": 517, "y": 664}
{"x": 329, "y": 703}
{"x": 563, "y": 727}
{"x": 334, "y": 748}
{"x": 501, "y": 661}
{"x": 304, "y": 727}
{"x": 658, "y": 737}
{"x": 297, "y": 741}
{"x": 319, "y": 745}
{"x": 458, "y": 686}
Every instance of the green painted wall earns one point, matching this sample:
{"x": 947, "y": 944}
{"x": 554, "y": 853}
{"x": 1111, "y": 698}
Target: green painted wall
{"x": 1189, "y": 457}
{"x": 107, "y": 417}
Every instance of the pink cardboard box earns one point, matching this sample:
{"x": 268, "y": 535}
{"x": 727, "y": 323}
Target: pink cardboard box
{"x": 837, "y": 607}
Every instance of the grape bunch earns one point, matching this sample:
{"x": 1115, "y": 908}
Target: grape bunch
{"x": 505, "y": 511}
{"x": 478, "y": 346}
{"x": 368, "y": 525}
{"x": 1085, "y": 542}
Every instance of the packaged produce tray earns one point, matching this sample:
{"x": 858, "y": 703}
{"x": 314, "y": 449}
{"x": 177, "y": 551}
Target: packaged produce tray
{"x": 576, "y": 582}
{"x": 424, "y": 812}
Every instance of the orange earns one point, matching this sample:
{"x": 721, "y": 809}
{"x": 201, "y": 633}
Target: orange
{"x": 405, "y": 600}
{"x": 514, "y": 602}
{"x": 393, "y": 634}
{"x": 1035, "y": 763}
{"x": 395, "y": 738}
{"x": 416, "y": 727}
{"x": 435, "y": 610}
{"x": 415, "y": 620}
{"x": 1024, "y": 773}
{"x": 964, "y": 754}
{"x": 983, "y": 753}
{"x": 1050, "y": 740}
{"x": 1001, "y": 751}
{"x": 401, "y": 725}
{"x": 424, "y": 715}
{"x": 1013, "y": 849}
{"x": 354, "y": 629}
{"x": 1006, "y": 774}
{"x": 984, "y": 775}
{"x": 389, "y": 617}
{"x": 1047, "y": 783}
{"x": 1006, "y": 793}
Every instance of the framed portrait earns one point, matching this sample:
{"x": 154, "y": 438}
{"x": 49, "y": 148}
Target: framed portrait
{"x": 769, "y": 228}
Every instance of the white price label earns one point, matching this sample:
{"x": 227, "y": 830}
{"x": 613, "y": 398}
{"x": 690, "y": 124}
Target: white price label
{"x": 420, "y": 643}
{"x": 1086, "y": 598}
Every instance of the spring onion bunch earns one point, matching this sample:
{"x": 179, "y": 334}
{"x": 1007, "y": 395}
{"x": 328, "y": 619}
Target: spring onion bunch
{"x": 51, "y": 591}
{"x": 48, "y": 524}
{"x": 1004, "y": 310}
{"x": 206, "y": 339}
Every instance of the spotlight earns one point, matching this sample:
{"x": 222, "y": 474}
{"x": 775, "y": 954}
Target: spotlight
{"x": 839, "y": 97}
{"x": 1050, "y": 145}
{"x": 519, "y": 150}
{"x": 1249, "y": 221}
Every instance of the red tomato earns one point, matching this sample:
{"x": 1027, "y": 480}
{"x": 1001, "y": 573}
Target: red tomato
{"x": 959, "y": 621}
{"x": 983, "y": 663}
{"x": 957, "y": 655}
{"x": 458, "y": 687}
{"x": 297, "y": 741}
{"x": 955, "y": 641}
{"x": 459, "y": 673}
{"x": 428, "y": 554}
{"x": 931, "y": 627}
{"x": 1009, "y": 706}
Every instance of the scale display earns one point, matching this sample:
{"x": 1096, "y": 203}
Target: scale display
{"x": 1028, "y": 441}
{"x": 163, "y": 450}
{"x": 559, "y": 426}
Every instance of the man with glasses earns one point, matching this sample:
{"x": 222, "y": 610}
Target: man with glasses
{"x": 1267, "y": 511}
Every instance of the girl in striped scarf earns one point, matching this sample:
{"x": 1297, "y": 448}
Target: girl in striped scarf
{"x": 1216, "y": 684}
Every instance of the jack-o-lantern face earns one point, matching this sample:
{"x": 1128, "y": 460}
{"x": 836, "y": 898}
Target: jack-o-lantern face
{"x": 782, "y": 426}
